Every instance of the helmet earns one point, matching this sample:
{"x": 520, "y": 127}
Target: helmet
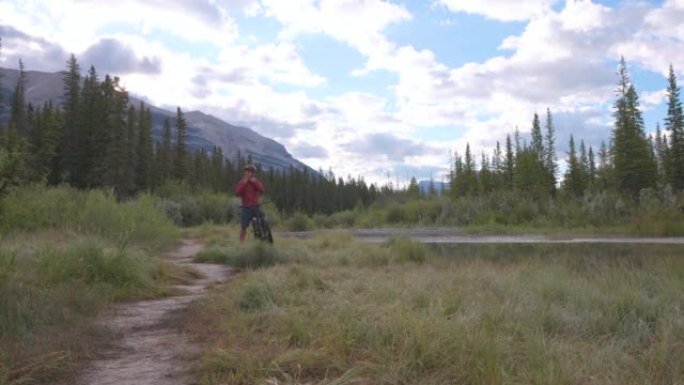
{"x": 250, "y": 167}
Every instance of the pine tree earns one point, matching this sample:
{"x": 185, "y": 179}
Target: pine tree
{"x": 165, "y": 151}
{"x": 510, "y": 163}
{"x": 93, "y": 133}
{"x": 573, "y": 182}
{"x": 43, "y": 140}
{"x": 181, "y": 166}
{"x": 550, "y": 158}
{"x": 18, "y": 114}
{"x": 674, "y": 124}
{"x": 70, "y": 145}
{"x": 116, "y": 102}
{"x": 661, "y": 155}
{"x": 145, "y": 150}
{"x": 537, "y": 139}
{"x": 635, "y": 167}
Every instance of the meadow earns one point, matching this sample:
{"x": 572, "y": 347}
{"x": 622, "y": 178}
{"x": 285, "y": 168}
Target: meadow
{"x": 332, "y": 310}
{"x": 64, "y": 256}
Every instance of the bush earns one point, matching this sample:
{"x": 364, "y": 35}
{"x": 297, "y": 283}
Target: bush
{"x": 96, "y": 212}
{"x": 299, "y": 222}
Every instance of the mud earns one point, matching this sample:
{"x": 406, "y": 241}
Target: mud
{"x": 148, "y": 348}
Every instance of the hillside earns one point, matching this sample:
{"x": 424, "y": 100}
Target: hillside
{"x": 204, "y": 131}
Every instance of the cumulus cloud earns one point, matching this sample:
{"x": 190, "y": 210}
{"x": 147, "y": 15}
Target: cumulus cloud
{"x": 335, "y": 17}
{"x": 387, "y": 146}
{"x": 36, "y": 53}
{"x": 113, "y": 56}
{"x": 307, "y": 150}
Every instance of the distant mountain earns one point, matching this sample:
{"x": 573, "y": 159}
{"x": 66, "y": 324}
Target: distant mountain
{"x": 440, "y": 187}
{"x": 204, "y": 131}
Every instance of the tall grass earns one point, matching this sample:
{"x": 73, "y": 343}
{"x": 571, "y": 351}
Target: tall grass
{"x": 64, "y": 254}
{"x": 557, "y": 314}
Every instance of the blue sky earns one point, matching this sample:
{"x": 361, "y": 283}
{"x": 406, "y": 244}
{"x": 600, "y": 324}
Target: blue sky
{"x": 368, "y": 87}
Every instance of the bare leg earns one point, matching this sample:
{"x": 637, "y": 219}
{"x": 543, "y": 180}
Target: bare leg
{"x": 243, "y": 233}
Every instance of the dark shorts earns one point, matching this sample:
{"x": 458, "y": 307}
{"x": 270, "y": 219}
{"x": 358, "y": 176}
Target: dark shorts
{"x": 246, "y": 215}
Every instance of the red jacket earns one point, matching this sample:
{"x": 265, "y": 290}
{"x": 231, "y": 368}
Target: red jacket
{"x": 249, "y": 191}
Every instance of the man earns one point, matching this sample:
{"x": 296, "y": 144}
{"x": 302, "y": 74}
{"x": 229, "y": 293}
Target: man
{"x": 249, "y": 189}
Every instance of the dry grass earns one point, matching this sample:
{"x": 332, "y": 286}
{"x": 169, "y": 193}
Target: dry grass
{"x": 353, "y": 313}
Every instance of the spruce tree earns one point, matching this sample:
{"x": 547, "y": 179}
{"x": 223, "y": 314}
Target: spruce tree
{"x": 573, "y": 182}
{"x": 70, "y": 146}
{"x": 674, "y": 124}
{"x": 510, "y": 163}
{"x": 18, "y": 114}
{"x": 165, "y": 151}
{"x": 550, "y": 158}
{"x": 634, "y": 165}
{"x": 93, "y": 137}
{"x": 181, "y": 166}
{"x": 145, "y": 150}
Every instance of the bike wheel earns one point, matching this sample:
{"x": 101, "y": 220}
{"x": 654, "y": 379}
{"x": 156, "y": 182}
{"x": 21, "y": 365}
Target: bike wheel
{"x": 256, "y": 228}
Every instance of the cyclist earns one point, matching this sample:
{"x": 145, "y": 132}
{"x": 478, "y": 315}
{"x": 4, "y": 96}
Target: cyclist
{"x": 249, "y": 189}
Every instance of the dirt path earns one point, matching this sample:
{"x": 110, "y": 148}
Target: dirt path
{"x": 149, "y": 349}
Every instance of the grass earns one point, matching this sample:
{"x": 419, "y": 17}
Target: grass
{"x": 398, "y": 313}
{"x": 64, "y": 255}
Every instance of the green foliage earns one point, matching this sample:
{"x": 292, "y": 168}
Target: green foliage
{"x": 403, "y": 249}
{"x": 97, "y": 212}
{"x": 188, "y": 207}
{"x": 557, "y": 313}
{"x": 299, "y": 222}
{"x": 256, "y": 255}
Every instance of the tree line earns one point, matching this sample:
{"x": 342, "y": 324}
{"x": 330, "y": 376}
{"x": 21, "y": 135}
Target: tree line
{"x": 629, "y": 163}
{"x": 97, "y": 139}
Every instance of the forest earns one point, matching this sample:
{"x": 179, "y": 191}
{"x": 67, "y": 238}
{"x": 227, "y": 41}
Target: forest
{"x": 97, "y": 140}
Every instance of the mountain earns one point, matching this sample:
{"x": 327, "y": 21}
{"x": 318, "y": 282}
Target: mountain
{"x": 440, "y": 187}
{"x": 204, "y": 131}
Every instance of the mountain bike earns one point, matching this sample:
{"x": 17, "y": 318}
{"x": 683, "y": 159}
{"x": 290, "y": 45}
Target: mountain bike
{"x": 260, "y": 227}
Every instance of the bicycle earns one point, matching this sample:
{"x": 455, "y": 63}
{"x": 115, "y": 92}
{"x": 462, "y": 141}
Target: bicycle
{"x": 260, "y": 227}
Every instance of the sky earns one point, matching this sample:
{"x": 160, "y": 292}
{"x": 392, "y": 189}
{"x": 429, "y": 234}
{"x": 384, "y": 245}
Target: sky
{"x": 383, "y": 90}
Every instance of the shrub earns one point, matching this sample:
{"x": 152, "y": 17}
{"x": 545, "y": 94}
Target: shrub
{"x": 299, "y": 222}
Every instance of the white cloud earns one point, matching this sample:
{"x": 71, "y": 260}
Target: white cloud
{"x": 358, "y": 23}
{"x": 504, "y": 10}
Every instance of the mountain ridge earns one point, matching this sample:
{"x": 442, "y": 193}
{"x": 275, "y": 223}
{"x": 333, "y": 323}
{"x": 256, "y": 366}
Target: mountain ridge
{"x": 204, "y": 130}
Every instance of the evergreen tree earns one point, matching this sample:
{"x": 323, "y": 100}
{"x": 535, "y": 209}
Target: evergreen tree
{"x": 70, "y": 145}
{"x": 634, "y": 165}
{"x": 181, "y": 166}
{"x": 674, "y": 124}
{"x": 18, "y": 114}
{"x": 145, "y": 150}
{"x": 115, "y": 170}
{"x": 510, "y": 163}
{"x": 661, "y": 153}
{"x": 93, "y": 134}
{"x": 165, "y": 151}
{"x": 43, "y": 140}
{"x": 413, "y": 190}
{"x": 537, "y": 139}
{"x": 550, "y": 158}
{"x": 573, "y": 182}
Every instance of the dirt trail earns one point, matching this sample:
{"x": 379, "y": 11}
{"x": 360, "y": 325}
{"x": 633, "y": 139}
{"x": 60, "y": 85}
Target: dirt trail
{"x": 149, "y": 349}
